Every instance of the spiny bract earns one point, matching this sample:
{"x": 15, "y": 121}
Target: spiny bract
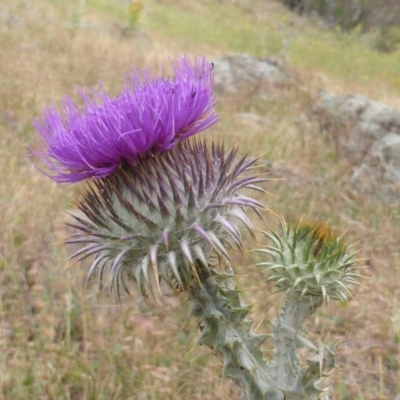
{"x": 311, "y": 260}
{"x": 167, "y": 213}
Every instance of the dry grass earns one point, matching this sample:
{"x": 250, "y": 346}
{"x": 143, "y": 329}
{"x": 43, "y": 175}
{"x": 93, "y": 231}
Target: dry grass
{"x": 60, "y": 343}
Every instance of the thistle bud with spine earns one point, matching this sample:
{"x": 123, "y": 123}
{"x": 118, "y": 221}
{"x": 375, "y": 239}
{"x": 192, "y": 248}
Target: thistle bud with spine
{"x": 166, "y": 215}
{"x": 311, "y": 260}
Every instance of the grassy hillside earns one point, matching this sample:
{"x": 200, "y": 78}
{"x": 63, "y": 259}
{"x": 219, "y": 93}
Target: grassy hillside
{"x": 58, "y": 342}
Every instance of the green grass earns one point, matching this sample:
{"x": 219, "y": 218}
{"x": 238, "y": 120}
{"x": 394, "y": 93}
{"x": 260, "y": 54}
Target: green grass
{"x": 346, "y": 57}
{"x": 222, "y": 26}
{"x": 340, "y": 55}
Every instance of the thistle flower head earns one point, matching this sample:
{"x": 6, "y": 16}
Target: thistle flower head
{"x": 166, "y": 216}
{"x": 152, "y": 114}
{"x": 311, "y": 260}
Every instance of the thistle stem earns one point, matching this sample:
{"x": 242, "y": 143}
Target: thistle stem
{"x": 288, "y": 338}
{"x": 227, "y": 331}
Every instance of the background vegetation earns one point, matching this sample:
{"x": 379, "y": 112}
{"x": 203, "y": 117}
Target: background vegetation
{"x": 381, "y": 18}
{"x": 58, "y": 342}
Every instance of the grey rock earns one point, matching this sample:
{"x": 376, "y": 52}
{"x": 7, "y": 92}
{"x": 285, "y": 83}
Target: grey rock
{"x": 379, "y": 174}
{"x": 354, "y": 123}
{"x": 367, "y": 134}
{"x": 241, "y": 73}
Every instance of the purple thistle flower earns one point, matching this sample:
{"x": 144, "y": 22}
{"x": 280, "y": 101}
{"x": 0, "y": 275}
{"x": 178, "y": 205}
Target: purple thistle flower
{"x": 152, "y": 114}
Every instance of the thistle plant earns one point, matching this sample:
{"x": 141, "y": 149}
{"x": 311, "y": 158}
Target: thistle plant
{"x": 161, "y": 207}
{"x": 312, "y": 264}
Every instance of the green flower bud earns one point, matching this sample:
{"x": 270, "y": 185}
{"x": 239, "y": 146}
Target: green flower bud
{"x": 311, "y": 260}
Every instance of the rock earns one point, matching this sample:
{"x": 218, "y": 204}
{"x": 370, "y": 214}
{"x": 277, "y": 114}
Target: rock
{"x": 379, "y": 174}
{"x": 367, "y": 134}
{"x": 245, "y": 74}
{"x": 354, "y": 123}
